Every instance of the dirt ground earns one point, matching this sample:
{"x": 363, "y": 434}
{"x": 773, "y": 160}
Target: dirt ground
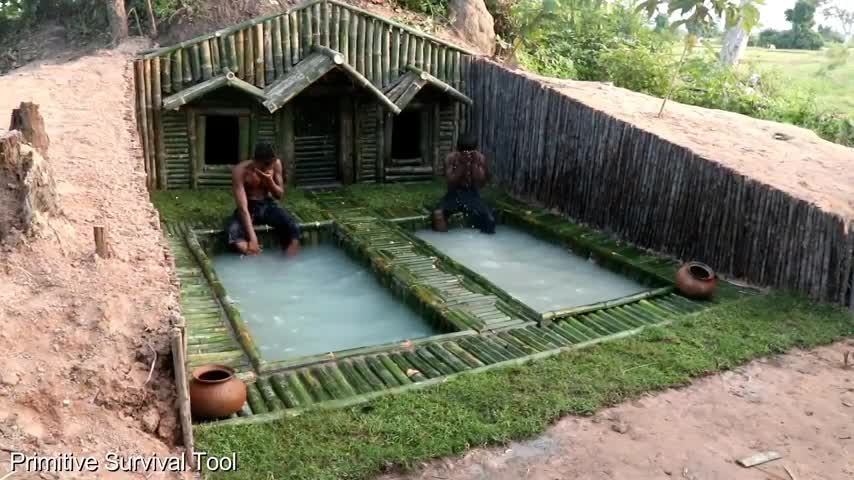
{"x": 792, "y": 159}
{"x": 80, "y": 333}
{"x": 800, "y": 405}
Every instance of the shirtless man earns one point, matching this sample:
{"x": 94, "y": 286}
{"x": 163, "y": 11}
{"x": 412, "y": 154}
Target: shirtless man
{"x": 257, "y": 184}
{"x": 466, "y": 173}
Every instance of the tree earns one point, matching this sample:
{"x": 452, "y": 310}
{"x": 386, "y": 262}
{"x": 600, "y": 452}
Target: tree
{"x": 118, "y": 20}
{"x": 735, "y": 40}
{"x": 845, "y": 17}
{"x": 662, "y": 23}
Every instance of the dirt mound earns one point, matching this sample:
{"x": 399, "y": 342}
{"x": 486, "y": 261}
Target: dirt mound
{"x": 211, "y": 15}
{"x": 86, "y": 363}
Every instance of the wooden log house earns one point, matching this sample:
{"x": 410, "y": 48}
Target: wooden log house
{"x": 345, "y": 95}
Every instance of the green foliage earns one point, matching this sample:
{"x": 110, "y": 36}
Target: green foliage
{"x": 828, "y": 34}
{"x": 702, "y": 12}
{"x": 493, "y": 408}
{"x": 434, "y": 8}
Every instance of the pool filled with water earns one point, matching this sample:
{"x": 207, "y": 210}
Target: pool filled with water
{"x": 538, "y": 273}
{"x": 317, "y": 302}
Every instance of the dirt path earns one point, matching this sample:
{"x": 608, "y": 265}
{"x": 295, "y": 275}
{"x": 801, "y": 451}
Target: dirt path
{"x": 79, "y": 332}
{"x": 800, "y": 405}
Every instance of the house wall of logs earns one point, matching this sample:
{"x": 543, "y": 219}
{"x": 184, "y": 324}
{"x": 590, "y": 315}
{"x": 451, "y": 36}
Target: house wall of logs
{"x": 658, "y": 195}
{"x": 255, "y": 58}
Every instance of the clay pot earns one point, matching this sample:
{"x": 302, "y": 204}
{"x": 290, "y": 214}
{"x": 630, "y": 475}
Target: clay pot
{"x": 215, "y": 392}
{"x": 440, "y": 223}
{"x": 696, "y": 280}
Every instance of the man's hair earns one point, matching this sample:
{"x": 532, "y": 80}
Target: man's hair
{"x": 467, "y": 142}
{"x": 264, "y": 153}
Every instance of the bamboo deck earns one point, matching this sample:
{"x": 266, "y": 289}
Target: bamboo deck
{"x": 485, "y": 331}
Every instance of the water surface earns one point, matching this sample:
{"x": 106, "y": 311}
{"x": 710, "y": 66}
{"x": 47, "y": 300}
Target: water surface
{"x": 538, "y": 273}
{"x": 317, "y": 302}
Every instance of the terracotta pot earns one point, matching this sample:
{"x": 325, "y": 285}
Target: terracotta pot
{"x": 440, "y": 223}
{"x": 696, "y": 280}
{"x": 215, "y": 392}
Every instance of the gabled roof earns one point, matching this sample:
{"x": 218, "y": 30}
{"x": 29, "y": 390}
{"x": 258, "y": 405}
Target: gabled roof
{"x": 271, "y": 50}
{"x": 310, "y": 70}
{"x": 408, "y": 85}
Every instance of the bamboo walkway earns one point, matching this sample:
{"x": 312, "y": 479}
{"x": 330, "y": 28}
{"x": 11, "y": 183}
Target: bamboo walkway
{"x": 209, "y": 337}
{"x": 488, "y": 332}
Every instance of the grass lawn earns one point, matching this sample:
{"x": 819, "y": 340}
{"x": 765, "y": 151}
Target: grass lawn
{"x": 514, "y": 403}
{"x": 834, "y": 89}
{"x": 501, "y": 405}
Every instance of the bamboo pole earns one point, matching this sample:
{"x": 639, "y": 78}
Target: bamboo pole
{"x": 260, "y": 80}
{"x": 141, "y": 116}
{"x": 428, "y": 58}
{"x": 222, "y": 48}
{"x": 157, "y": 105}
{"x": 175, "y": 101}
{"x": 335, "y": 27}
{"x": 244, "y": 86}
{"x": 231, "y": 52}
{"x": 362, "y": 45}
{"x": 193, "y": 141}
{"x": 186, "y": 67}
{"x": 207, "y": 64}
{"x": 165, "y": 74}
{"x": 239, "y": 46}
{"x": 179, "y": 364}
{"x": 441, "y": 71}
{"x": 376, "y": 55}
{"x": 286, "y": 43}
{"x": 394, "y": 67}
{"x": 386, "y": 56}
{"x": 316, "y": 33}
{"x": 352, "y": 37}
{"x": 149, "y": 113}
{"x": 278, "y": 55}
{"x": 177, "y": 74}
{"x": 344, "y": 33}
{"x": 216, "y": 64}
{"x": 296, "y": 48}
{"x": 325, "y": 27}
{"x": 269, "y": 58}
{"x": 419, "y": 53}
{"x": 362, "y": 81}
{"x": 306, "y": 34}
{"x": 249, "y": 56}
{"x": 196, "y": 63}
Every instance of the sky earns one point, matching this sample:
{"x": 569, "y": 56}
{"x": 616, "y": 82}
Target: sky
{"x": 772, "y": 14}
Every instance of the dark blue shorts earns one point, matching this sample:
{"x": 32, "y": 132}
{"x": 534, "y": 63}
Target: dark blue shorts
{"x": 469, "y": 203}
{"x": 264, "y": 212}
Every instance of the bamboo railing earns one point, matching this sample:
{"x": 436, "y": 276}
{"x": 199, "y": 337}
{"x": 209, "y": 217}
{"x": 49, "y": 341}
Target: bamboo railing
{"x": 658, "y": 195}
{"x": 260, "y": 51}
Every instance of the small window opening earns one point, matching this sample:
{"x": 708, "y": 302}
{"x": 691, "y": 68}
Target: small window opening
{"x": 406, "y": 135}
{"x": 222, "y": 140}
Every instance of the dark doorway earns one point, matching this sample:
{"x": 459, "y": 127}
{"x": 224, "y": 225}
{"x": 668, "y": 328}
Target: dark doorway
{"x": 406, "y": 136}
{"x": 222, "y": 140}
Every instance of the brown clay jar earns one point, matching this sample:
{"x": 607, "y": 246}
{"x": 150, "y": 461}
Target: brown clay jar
{"x": 440, "y": 223}
{"x": 215, "y": 392}
{"x": 696, "y": 280}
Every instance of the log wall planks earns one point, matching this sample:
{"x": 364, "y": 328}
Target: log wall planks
{"x": 658, "y": 195}
{"x": 263, "y": 49}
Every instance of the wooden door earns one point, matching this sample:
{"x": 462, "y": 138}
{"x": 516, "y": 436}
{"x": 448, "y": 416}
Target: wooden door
{"x": 316, "y": 137}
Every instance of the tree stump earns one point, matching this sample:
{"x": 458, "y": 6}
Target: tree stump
{"x": 30, "y": 123}
{"x": 27, "y": 189}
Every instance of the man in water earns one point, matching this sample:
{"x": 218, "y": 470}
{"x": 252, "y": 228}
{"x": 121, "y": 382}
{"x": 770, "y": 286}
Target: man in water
{"x": 466, "y": 173}
{"x": 257, "y": 184}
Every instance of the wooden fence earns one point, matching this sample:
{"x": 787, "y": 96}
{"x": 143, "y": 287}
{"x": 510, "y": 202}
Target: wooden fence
{"x": 658, "y": 195}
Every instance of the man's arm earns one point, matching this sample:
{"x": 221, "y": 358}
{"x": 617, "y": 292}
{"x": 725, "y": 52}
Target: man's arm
{"x": 277, "y": 186}
{"x": 237, "y": 174}
{"x": 481, "y": 171}
{"x": 453, "y": 172}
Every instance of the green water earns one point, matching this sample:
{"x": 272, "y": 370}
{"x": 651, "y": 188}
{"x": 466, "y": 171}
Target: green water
{"x": 317, "y": 302}
{"x": 538, "y": 273}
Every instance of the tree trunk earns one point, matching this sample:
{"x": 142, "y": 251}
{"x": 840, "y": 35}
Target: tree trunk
{"x": 27, "y": 119}
{"x": 735, "y": 41}
{"x": 118, "y": 20}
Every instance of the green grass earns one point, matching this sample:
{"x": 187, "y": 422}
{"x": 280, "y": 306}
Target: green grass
{"x": 514, "y": 403}
{"x": 834, "y": 89}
